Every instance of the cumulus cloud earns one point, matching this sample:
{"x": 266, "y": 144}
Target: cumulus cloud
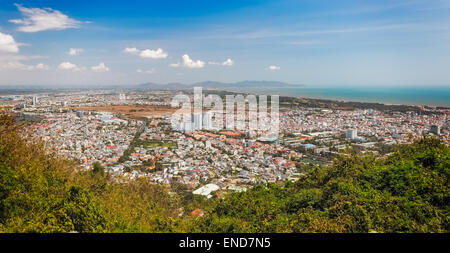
{"x": 131, "y": 50}
{"x": 68, "y": 66}
{"x": 150, "y": 71}
{"x": 42, "y": 66}
{"x": 36, "y": 20}
{"x": 11, "y": 65}
{"x": 8, "y": 44}
{"x": 16, "y": 65}
{"x": 101, "y": 67}
{"x": 75, "y": 51}
{"x": 153, "y": 54}
{"x": 228, "y": 62}
{"x": 189, "y": 63}
{"x": 147, "y": 53}
{"x": 273, "y": 67}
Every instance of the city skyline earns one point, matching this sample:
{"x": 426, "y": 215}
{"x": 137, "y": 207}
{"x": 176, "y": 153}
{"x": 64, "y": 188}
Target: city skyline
{"x": 317, "y": 43}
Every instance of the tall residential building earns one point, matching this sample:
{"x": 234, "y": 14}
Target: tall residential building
{"x": 435, "y": 129}
{"x": 34, "y": 101}
{"x": 207, "y": 120}
{"x": 351, "y": 134}
{"x": 187, "y": 126}
{"x": 197, "y": 121}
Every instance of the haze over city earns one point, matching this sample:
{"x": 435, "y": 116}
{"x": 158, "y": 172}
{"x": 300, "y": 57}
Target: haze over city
{"x": 317, "y": 43}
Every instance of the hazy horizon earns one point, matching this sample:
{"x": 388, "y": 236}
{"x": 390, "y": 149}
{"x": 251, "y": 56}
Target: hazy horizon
{"x": 300, "y": 85}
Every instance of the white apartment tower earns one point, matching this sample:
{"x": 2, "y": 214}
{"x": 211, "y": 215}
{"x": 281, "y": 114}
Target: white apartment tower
{"x": 351, "y": 134}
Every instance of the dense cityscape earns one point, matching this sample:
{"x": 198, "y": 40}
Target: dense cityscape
{"x": 130, "y": 134}
{"x": 224, "y": 125}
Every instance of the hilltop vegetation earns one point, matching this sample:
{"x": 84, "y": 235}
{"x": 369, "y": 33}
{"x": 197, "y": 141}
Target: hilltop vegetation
{"x": 405, "y": 192}
{"x": 41, "y": 192}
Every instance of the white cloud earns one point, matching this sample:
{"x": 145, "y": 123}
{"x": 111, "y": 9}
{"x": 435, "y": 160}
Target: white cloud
{"x": 101, "y": 67}
{"x": 147, "y": 53}
{"x": 16, "y": 65}
{"x": 42, "y": 66}
{"x": 153, "y": 54}
{"x": 36, "y": 20}
{"x": 273, "y": 67}
{"x": 150, "y": 71}
{"x": 8, "y": 44}
{"x": 228, "y": 62}
{"x": 189, "y": 63}
{"x": 131, "y": 50}
{"x": 13, "y": 65}
{"x": 75, "y": 51}
{"x": 68, "y": 66}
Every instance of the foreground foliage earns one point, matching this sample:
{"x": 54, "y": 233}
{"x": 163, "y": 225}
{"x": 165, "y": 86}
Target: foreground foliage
{"x": 405, "y": 192}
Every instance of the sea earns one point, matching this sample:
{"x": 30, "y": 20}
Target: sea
{"x": 402, "y": 95}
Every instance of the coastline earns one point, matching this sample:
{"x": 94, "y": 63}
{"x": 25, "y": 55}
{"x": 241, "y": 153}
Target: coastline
{"x": 391, "y": 100}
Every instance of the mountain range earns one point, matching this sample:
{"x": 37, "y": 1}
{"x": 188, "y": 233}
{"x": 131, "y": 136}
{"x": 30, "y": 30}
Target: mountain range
{"x": 11, "y": 89}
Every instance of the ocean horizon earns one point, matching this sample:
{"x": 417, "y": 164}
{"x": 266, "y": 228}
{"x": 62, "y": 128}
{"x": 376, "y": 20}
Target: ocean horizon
{"x": 430, "y": 96}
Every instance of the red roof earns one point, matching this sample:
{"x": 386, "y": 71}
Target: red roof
{"x": 197, "y": 212}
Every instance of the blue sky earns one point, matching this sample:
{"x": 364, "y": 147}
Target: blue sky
{"x": 313, "y": 42}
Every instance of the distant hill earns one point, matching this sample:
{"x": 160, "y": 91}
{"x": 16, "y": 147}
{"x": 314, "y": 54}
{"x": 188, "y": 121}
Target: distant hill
{"x": 219, "y": 85}
{"x": 168, "y": 86}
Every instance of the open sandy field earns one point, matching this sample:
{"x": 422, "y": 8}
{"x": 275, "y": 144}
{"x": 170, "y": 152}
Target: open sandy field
{"x": 131, "y": 110}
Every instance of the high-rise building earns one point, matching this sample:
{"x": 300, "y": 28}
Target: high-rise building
{"x": 34, "y": 101}
{"x": 435, "y": 129}
{"x": 351, "y": 134}
{"x": 207, "y": 120}
{"x": 197, "y": 121}
{"x": 187, "y": 126}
